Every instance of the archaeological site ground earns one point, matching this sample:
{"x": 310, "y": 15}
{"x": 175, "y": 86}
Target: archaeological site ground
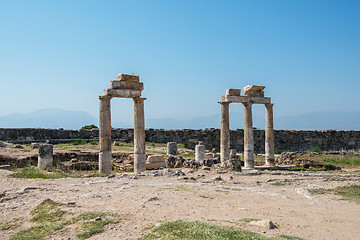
{"x": 105, "y": 183}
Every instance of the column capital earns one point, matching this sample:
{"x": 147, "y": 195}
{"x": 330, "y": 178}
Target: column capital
{"x": 105, "y": 97}
{"x": 247, "y": 104}
{"x": 269, "y": 104}
{"x": 224, "y": 103}
{"x": 139, "y": 100}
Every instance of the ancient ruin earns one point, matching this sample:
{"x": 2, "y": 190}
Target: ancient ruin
{"x": 125, "y": 86}
{"x": 253, "y": 95}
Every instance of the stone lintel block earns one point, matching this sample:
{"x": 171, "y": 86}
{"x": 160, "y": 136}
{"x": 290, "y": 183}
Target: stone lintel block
{"x": 127, "y": 77}
{"x": 246, "y": 99}
{"x": 254, "y": 91}
{"x": 155, "y": 165}
{"x": 123, "y": 93}
{"x": 233, "y": 92}
{"x": 156, "y": 158}
{"x": 127, "y": 85}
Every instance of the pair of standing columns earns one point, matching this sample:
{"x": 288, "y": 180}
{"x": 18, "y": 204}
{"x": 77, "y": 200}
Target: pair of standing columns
{"x": 248, "y": 135}
{"x": 105, "y": 135}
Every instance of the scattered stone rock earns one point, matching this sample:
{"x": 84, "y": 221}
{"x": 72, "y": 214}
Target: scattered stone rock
{"x": 5, "y": 167}
{"x": 34, "y": 145}
{"x": 265, "y": 223}
{"x": 173, "y": 161}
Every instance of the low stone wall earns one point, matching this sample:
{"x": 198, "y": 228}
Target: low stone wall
{"x": 285, "y": 140}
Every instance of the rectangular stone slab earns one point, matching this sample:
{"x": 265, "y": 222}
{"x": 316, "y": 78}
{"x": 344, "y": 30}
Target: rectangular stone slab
{"x": 126, "y": 85}
{"x": 233, "y": 92}
{"x": 124, "y": 93}
{"x": 127, "y": 77}
{"x": 246, "y": 99}
{"x": 156, "y": 158}
{"x": 155, "y": 165}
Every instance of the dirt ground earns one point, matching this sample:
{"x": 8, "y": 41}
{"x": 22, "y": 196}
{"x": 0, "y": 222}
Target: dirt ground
{"x": 214, "y": 197}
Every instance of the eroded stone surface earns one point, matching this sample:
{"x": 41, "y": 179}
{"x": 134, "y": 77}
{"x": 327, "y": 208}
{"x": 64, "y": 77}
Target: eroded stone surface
{"x": 254, "y": 91}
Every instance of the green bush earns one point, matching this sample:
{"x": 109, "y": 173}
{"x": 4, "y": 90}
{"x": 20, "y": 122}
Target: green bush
{"x": 88, "y": 127}
{"x": 315, "y": 149}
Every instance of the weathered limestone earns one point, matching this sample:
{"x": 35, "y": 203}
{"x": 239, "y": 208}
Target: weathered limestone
{"x": 139, "y": 136}
{"x": 45, "y": 158}
{"x": 171, "y": 148}
{"x": 253, "y": 95}
{"x": 233, "y": 92}
{"x": 254, "y": 91}
{"x": 200, "y": 152}
{"x": 225, "y": 132}
{"x": 269, "y": 136}
{"x": 105, "y": 135}
{"x": 155, "y": 162}
{"x": 248, "y": 137}
{"x": 125, "y": 86}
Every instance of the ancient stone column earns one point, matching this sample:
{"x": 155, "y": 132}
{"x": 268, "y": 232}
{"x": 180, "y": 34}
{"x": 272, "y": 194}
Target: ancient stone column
{"x": 248, "y": 137}
{"x": 139, "y": 136}
{"x": 225, "y": 132}
{"x": 45, "y": 158}
{"x": 105, "y": 135}
{"x": 200, "y": 152}
{"x": 171, "y": 148}
{"x": 269, "y": 135}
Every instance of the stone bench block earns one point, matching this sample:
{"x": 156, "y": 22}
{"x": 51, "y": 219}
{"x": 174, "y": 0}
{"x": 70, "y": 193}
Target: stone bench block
{"x": 233, "y": 92}
{"x": 126, "y": 85}
{"x": 156, "y": 158}
{"x": 127, "y": 77}
{"x": 125, "y": 93}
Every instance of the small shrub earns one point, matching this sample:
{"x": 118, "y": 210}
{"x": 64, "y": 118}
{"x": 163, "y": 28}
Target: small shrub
{"x": 87, "y": 127}
{"x": 80, "y": 142}
{"x": 315, "y": 149}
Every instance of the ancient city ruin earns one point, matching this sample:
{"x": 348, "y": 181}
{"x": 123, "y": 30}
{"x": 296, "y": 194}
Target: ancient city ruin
{"x": 125, "y": 86}
{"x": 192, "y": 174}
{"x": 253, "y": 95}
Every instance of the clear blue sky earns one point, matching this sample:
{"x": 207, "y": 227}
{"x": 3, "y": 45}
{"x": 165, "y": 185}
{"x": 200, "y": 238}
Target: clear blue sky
{"x": 62, "y": 54}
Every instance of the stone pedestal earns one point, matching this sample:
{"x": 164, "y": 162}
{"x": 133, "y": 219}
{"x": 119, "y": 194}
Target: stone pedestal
{"x": 248, "y": 137}
{"x": 171, "y": 148}
{"x": 45, "y": 158}
{"x": 105, "y": 135}
{"x": 139, "y": 136}
{"x": 269, "y": 136}
{"x": 225, "y": 132}
{"x": 200, "y": 152}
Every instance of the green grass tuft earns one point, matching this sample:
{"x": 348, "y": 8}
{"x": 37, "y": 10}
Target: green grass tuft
{"x": 198, "y": 230}
{"x": 343, "y": 162}
{"x": 33, "y": 172}
{"x": 182, "y": 188}
{"x": 7, "y": 226}
{"x": 49, "y": 218}
{"x": 350, "y": 193}
{"x": 90, "y": 228}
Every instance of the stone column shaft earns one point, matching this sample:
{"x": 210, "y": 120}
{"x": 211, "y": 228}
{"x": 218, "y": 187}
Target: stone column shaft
{"x": 105, "y": 135}
{"x": 248, "y": 137}
{"x": 139, "y": 136}
{"x": 224, "y": 132}
{"x": 269, "y": 135}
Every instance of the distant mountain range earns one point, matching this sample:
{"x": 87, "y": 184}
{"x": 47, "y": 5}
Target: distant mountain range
{"x": 57, "y": 118}
{"x": 48, "y": 118}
